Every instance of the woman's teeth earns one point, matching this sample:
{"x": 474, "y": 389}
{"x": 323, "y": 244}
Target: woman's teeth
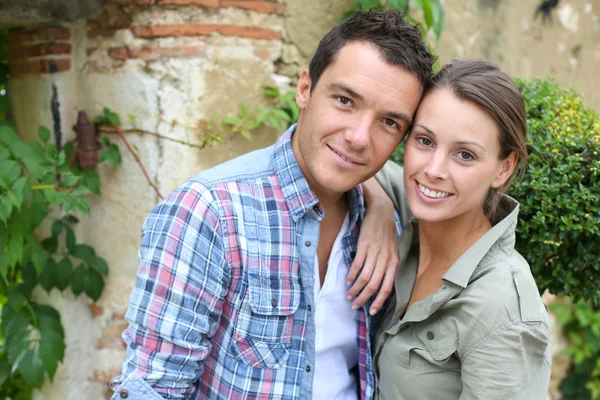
{"x": 432, "y": 193}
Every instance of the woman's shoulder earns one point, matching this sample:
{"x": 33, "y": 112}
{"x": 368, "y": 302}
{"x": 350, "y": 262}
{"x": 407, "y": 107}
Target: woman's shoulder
{"x": 501, "y": 295}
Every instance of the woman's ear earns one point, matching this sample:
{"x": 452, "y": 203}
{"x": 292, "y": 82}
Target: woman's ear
{"x": 507, "y": 167}
{"x": 303, "y": 89}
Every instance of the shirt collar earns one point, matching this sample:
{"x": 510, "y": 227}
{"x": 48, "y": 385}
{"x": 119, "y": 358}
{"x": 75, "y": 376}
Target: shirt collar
{"x": 500, "y": 237}
{"x": 299, "y": 197}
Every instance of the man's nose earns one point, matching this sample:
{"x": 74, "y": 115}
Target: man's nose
{"x": 359, "y": 135}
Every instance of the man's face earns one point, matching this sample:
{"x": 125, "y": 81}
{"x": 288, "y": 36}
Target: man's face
{"x": 354, "y": 118}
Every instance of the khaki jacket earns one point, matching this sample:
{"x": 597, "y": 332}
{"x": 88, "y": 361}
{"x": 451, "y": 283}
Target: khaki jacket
{"x": 483, "y": 335}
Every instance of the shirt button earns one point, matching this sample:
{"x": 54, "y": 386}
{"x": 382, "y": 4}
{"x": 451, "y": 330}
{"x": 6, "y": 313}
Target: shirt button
{"x": 307, "y": 243}
{"x": 430, "y": 335}
{"x": 309, "y": 307}
{"x": 352, "y": 254}
{"x": 124, "y": 394}
{"x": 274, "y": 303}
{"x": 308, "y": 368}
{"x": 316, "y": 208}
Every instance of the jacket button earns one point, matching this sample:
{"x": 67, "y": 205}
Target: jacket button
{"x": 308, "y": 368}
{"x": 430, "y": 335}
{"x": 352, "y": 254}
{"x": 309, "y": 307}
{"x": 307, "y": 243}
{"x": 124, "y": 394}
{"x": 274, "y": 303}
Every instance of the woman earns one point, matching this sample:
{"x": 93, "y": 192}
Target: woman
{"x": 466, "y": 320}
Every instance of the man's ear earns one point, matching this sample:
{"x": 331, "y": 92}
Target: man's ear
{"x": 506, "y": 170}
{"x": 303, "y": 89}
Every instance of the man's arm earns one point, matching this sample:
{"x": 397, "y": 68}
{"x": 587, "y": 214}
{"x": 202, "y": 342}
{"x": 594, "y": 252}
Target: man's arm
{"x": 176, "y": 304}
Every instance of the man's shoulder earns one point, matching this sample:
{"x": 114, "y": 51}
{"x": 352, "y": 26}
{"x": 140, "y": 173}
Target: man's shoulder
{"x": 248, "y": 166}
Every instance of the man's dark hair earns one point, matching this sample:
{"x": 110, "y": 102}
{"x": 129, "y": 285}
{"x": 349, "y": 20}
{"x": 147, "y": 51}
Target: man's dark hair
{"x": 399, "y": 42}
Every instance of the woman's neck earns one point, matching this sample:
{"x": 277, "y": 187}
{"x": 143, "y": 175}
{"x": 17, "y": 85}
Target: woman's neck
{"x": 441, "y": 243}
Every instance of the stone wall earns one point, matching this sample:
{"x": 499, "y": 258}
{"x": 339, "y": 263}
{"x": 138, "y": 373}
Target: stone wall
{"x": 172, "y": 63}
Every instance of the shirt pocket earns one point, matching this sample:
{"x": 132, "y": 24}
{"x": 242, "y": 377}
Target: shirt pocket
{"x": 436, "y": 348}
{"x": 263, "y": 329}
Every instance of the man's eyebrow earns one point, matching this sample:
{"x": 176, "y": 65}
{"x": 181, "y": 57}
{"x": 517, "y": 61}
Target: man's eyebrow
{"x": 357, "y": 96}
{"x": 348, "y": 90}
{"x": 461, "y": 142}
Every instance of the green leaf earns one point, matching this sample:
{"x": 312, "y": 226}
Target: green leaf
{"x": 113, "y": 118}
{"x": 99, "y": 119}
{"x": 62, "y": 273}
{"x": 8, "y": 135}
{"x": 29, "y": 276}
{"x": 50, "y": 244}
{"x": 78, "y": 280}
{"x": 38, "y": 258}
{"x": 70, "y": 241}
{"x": 83, "y": 252}
{"x": 9, "y": 172}
{"x": 417, "y": 4}
{"x": 93, "y": 284}
{"x": 31, "y": 368}
{"x": 44, "y": 134}
{"x": 99, "y": 265}
{"x": 51, "y": 152}
{"x": 57, "y": 227}
{"x": 47, "y": 277}
{"x": 68, "y": 149}
{"x": 92, "y": 181}
{"x": 16, "y": 299}
{"x": 399, "y": 4}
{"x": 4, "y": 369}
{"x": 69, "y": 180}
{"x": 71, "y": 219}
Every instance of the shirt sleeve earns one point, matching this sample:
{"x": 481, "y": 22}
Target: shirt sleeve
{"x": 176, "y": 304}
{"x": 391, "y": 179}
{"x": 512, "y": 363}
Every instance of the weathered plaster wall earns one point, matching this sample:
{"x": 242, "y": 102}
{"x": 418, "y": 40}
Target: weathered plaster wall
{"x": 172, "y": 63}
{"x": 507, "y": 33}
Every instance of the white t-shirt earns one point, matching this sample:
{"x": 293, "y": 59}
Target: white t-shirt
{"x": 336, "y": 329}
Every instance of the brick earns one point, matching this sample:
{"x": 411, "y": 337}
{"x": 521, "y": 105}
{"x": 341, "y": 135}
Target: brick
{"x": 104, "y": 376}
{"x": 92, "y": 23}
{"x": 260, "y": 6}
{"x": 96, "y": 310}
{"x": 115, "y": 328}
{"x": 38, "y": 50}
{"x": 40, "y": 66}
{"x": 157, "y": 31}
{"x": 90, "y": 50}
{"x": 95, "y": 33}
{"x": 111, "y": 342}
{"x": 120, "y": 316}
{"x": 43, "y": 35}
{"x": 202, "y": 3}
{"x": 154, "y": 52}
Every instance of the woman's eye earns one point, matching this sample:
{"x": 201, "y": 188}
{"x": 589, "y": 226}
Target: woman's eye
{"x": 424, "y": 141}
{"x": 344, "y": 100}
{"x": 465, "y": 156}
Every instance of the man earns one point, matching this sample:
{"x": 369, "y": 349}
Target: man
{"x": 241, "y": 290}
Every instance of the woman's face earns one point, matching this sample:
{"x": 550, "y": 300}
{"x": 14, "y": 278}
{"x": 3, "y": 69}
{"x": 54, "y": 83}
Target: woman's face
{"x": 451, "y": 159}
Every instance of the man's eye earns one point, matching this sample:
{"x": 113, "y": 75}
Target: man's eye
{"x": 344, "y": 100}
{"x": 390, "y": 122}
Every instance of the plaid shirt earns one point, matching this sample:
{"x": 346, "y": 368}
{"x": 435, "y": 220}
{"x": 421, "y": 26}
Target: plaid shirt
{"x": 221, "y": 308}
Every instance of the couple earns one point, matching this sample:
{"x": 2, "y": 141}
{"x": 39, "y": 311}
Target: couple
{"x": 254, "y": 284}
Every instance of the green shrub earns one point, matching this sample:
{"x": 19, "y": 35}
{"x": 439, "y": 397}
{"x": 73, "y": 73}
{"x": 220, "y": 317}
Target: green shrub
{"x": 559, "y": 227}
{"x": 581, "y": 326}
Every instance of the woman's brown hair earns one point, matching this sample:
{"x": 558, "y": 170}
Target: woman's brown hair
{"x": 482, "y": 83}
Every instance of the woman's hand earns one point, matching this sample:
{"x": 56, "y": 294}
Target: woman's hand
{"x": 377, "y": 251}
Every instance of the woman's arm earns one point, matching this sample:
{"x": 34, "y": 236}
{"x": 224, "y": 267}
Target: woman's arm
{"x": 510, "y": 363}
